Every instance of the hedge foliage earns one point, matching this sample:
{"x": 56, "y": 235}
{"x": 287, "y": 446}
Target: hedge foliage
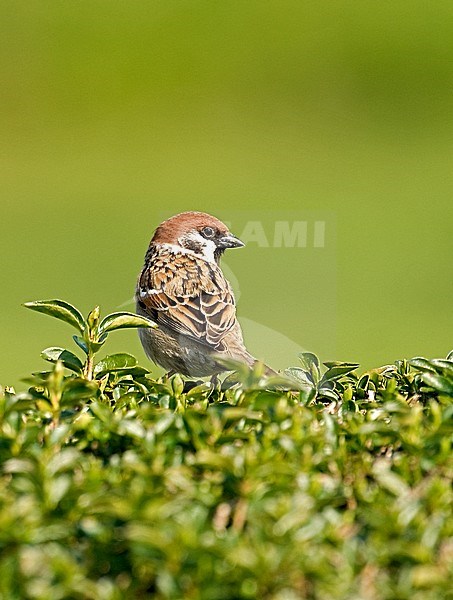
{"x": 321, "y": 484}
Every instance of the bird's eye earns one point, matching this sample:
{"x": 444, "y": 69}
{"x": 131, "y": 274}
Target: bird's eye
{"x": 208, "y": 232}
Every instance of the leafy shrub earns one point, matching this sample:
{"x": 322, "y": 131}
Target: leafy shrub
{"x": 320, "y": 484}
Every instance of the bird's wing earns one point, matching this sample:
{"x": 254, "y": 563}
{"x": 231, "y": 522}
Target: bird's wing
{"x": 188, "y": 295}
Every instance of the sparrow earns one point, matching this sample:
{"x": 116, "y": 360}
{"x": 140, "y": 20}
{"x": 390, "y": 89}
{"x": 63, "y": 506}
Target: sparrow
{"x": 184, "y": 291}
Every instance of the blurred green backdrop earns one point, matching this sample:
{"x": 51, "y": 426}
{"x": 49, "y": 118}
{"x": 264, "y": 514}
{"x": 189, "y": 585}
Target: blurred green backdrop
{"x": 116, "y": 114}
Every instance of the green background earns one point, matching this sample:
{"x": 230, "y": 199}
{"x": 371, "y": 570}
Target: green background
{"x": 117, "y": 114}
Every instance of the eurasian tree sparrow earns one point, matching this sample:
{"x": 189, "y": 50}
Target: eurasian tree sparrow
{"x": 183, "y": 289}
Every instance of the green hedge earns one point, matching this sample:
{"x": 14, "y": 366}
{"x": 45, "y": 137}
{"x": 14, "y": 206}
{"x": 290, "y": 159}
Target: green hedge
{"x": 321, "y": 484}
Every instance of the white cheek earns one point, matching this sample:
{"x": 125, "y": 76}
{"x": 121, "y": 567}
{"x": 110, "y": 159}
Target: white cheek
{"x": 208, "y": 250}
{"x": 208, "y": 247}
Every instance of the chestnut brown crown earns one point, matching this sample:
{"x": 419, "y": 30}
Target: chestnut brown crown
{"x": 194, "y": 230}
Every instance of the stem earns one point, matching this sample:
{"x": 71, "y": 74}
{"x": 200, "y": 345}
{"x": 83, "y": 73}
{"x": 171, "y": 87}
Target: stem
{"x": 55, "y": 401}
{"x": 88, "y": 370}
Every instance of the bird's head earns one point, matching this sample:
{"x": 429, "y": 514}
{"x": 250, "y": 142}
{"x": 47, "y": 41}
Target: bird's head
{"x": 198, "y": 232}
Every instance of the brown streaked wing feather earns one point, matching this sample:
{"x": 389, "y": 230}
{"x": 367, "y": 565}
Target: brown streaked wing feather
{"x": 189, "y": 295}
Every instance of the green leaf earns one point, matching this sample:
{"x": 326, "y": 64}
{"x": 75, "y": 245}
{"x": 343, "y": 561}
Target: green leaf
{"x": 135, "y": 372}
{"x": 348, "y": 394}
{"x": 444, "y": 365}
{"x": 123, "y": 320}
{"x": 363, "y": 381}
{"x": 307, "y": 394}
{"x": 280, "y": 381}
{"x": 78, "y": 389}
{"x": 326, "y": 392}
{"x": 199, "y": 391}
{"x": 133, "y": 429}
{"x": 80, "y": 343}
{"x": 310, "y": 363}
{"x": 177, "y": 385}
{"x": 439, "y": 383}
{"x": 96, "y": 346}
{"x": 101, "y": 411}
{"x": 65, "y": 460}
{"x": 20, "y": 402}
{"x": 266, "y": 400}
{"x": 339, "y": 363}
{"x": 69, "y": 360}
{"x": 388, "y": 479}
{"x": 93, "y": 318}
{"x": 18, "y": 465}
{"x": 337, "y": 371}
{"x": 114, "y": 362}
{"x": 421, "y": 363}
{"x": 308, "y": 359}
{"x": 300, "y": 375}
{"x": 60, "y": 310}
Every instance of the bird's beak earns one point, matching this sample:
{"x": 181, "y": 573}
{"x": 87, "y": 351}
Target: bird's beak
{"x": 229, "y": 241}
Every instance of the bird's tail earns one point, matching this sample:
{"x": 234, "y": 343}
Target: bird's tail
{"x": 237, "y": 359}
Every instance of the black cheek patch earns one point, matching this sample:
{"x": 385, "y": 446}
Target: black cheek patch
{"x": 193, "y": 245}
